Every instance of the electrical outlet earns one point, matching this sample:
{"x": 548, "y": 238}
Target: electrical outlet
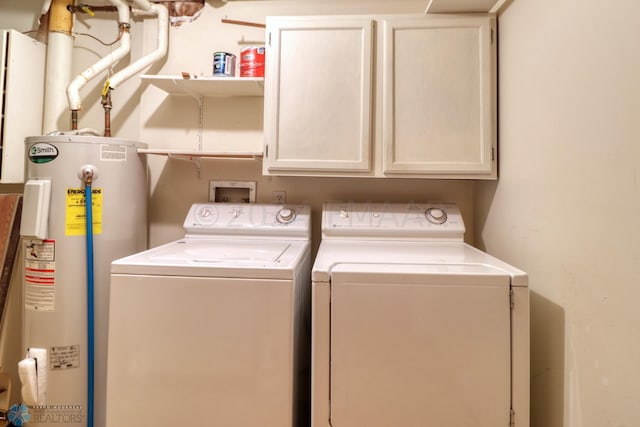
{"x": 279, "y": 197}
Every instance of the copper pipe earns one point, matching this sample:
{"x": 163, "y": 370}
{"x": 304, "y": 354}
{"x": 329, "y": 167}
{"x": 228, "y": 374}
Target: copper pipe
{"x": 107, "y": 122}
{"x": 245, "y": 23}
{"x": 85, "y": 8}
{"x": 106, "y": 104}
{"x": 74, "y": 119}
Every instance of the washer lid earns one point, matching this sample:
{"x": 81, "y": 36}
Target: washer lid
{"x": 249, "y": 258}
{"x": 202, "y": 251}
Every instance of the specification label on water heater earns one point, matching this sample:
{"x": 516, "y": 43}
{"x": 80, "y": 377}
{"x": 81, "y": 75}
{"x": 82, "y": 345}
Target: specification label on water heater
{"x": 39, "y": 275}
{"x": 75, "y": 218}
{"x": 64, "y": 357}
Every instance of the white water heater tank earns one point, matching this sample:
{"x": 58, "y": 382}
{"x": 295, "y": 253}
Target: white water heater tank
{"x": 55, "y": 269}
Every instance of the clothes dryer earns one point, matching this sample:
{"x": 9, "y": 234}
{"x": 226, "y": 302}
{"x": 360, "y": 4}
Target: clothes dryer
{"x": 213, "y": 329}
{"x": 411, "y": 326}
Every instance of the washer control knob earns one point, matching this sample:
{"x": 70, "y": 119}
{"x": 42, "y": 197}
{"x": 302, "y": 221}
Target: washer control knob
{"x": 206, "y": 215}
{"x": 285, "y": 215}
{"x": 436, "y": 216}
{"x": 344, "y": 213}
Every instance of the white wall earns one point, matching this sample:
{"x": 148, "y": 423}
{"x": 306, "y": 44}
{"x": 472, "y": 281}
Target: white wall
{"x": 567, "y": 205}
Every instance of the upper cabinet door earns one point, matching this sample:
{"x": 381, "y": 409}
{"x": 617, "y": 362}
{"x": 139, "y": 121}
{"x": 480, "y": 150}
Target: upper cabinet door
{"x": 439, "y": 84}
{"x": 318, "y": 98}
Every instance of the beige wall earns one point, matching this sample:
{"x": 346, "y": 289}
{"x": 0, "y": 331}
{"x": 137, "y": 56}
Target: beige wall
{"x": 565, "y": 208}
{"x": 230, "y": 124}
{"x": 567, "y": 205}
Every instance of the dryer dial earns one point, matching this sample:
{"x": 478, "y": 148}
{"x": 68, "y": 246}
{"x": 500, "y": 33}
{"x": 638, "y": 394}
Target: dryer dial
{"x": 436, "y": 216}
{"x": 285, "y": 215}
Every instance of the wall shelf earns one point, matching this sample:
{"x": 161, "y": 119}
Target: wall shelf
{"x": 464, "y": 6}
{"x": 199, "y": 155}
{"x": 208, "y": 86}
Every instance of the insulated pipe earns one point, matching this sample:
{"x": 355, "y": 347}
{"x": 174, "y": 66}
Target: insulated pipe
{"x": 45, "y": 7}
{"x": 123, "y": 11}
{"x": 163, "y": 43}
{"x": 58, "y": 66}
{"x": 143, "y": 4}
{"x": 73, "y": 90}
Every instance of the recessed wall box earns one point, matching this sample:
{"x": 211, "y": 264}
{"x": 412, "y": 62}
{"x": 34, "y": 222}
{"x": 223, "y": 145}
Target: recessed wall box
{"x": 232, "y": 191}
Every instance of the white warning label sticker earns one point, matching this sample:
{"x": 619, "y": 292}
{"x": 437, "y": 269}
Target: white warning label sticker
{"x": 39, "y": 275}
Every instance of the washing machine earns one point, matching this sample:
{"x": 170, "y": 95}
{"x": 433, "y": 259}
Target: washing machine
{"x": 411, "y": 326}
{"x": 214, "y": 329}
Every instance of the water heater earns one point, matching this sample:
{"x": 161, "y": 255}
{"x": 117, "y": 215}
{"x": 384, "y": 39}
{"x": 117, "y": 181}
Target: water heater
{"x": 54, "y": 239}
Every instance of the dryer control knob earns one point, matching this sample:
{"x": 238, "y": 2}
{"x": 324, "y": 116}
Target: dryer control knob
{"x": 285, "y": 215}
{"x": 436, "y": 216}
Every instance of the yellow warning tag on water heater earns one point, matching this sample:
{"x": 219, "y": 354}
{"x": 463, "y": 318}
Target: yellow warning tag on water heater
{"x": 75, "y": 218}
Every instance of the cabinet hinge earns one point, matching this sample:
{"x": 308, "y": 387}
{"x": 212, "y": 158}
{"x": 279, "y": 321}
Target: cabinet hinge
{"x": 512, "y": 418}
{"x": 493, "y": 154}
{"x": 491, "y": 37}
{"x": 266, "y": 151}
{"x": 512, "y": 301}
{"x": 270, "y": 38}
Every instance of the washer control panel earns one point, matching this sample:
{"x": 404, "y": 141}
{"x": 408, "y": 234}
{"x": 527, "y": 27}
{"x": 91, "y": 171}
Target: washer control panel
{"x": 255, "y": 219}
{"x": 440, "y": 221}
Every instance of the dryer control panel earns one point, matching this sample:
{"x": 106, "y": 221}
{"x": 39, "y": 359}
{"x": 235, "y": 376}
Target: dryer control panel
{"x": 437, "y": 221}
{"x": 213, "y": 219}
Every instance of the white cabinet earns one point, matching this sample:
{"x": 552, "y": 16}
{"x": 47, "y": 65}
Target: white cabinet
{"x": 318, "y": 94}
{"x": 438, "y": 101}
{"x": 381, "y": 96}
{"x": 22, "y": 62}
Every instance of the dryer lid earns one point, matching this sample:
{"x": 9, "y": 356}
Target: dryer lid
{"x": 419, "y": 274}
{"x": 454, "y": 258}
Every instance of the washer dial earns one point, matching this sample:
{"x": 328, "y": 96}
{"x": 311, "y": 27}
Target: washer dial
{"x": 285, "y": 215}
{"x": 206, "y": 215}
{"x": 436, "y": 216}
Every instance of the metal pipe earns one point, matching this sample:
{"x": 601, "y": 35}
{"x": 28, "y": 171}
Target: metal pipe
{"x": 58, "y": 66}
{"x": 163, "y": 43}
{"x": 73, "y": 90}
{"x": 106, "y": 104}
{"x": 84, "y": 8}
